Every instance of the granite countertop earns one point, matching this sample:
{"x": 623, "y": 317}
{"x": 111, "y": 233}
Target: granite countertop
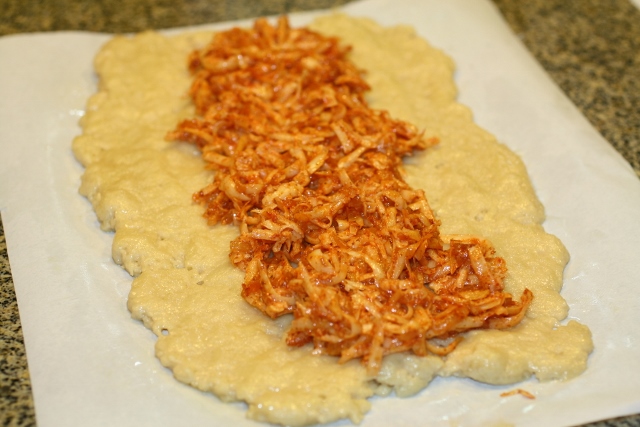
{"x": 591, "y": 49}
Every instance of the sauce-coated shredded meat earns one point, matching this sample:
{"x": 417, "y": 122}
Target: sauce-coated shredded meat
{"x": 330, "y": 232}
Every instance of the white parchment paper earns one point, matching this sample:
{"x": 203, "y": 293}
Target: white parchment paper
{"x": 91, "y": 365}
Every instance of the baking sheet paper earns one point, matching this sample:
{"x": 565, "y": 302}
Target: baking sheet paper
{"x": 91, "y": 365}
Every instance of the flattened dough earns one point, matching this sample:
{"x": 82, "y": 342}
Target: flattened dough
{"x": 187, "y": 292}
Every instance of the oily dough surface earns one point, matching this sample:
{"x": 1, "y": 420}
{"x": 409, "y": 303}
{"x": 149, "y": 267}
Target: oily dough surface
{"x": 187, "y": 292}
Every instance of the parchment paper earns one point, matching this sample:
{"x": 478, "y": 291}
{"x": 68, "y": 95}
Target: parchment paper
{"x": 91, "y": 365}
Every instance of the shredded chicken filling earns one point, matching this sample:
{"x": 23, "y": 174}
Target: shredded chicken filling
{"x": 329, "y": 230}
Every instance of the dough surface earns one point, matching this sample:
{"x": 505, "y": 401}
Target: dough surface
{"x": 187, "y": 292}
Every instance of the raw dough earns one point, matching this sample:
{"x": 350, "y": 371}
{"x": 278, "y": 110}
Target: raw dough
{"x": 188, "y": 293}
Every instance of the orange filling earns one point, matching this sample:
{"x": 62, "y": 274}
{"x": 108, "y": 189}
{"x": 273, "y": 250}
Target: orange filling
{"x": 329, "y": 230}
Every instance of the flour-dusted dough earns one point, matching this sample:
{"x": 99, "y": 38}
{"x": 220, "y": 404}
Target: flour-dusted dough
{"x": 188, "y": 293}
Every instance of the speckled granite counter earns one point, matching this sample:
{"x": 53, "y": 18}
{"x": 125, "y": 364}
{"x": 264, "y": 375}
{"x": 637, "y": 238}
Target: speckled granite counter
{"x": 591, "y": 48}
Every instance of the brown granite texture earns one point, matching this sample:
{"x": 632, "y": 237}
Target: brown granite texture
{"x": 16, "y": 404}
{"x": 118, "y": 16}
{"x": 591, "y": 49}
